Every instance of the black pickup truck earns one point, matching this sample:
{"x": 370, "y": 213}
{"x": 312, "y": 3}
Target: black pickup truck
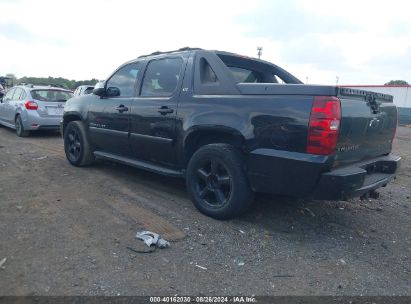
{"x": 233, "y": 125}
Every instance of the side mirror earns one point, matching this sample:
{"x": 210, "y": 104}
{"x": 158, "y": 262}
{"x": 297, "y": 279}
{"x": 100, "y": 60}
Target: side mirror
{"x": 112, "y": 92}
{"x": 99, "y": 92}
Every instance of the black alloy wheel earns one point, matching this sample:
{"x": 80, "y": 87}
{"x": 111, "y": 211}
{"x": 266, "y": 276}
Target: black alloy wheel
{"x": 73, "y": 145}
{"x": 213, "y": 183}
{"x": 217, "y": 181}
{"x": 77, "y": 147}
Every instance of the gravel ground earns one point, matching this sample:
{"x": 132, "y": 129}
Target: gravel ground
{"x": 65, "y": 231}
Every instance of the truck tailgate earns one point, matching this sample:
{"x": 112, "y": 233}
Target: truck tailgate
{"x": 368, "y": 125}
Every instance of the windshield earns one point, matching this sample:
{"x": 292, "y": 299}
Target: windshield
{"x": 51, "y": 95}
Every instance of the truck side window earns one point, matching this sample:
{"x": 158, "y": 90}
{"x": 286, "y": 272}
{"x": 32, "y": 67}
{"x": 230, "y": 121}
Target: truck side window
{"x": 125, "y": 79}
{"x": 161, "y": 77}
{"x": 207, "y": 75}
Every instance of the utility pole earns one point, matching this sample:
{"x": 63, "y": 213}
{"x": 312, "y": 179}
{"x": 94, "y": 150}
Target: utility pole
{"x": 306, "y": 80}
{"x": 337, "y": 78}
{"x": 259, "y": 51}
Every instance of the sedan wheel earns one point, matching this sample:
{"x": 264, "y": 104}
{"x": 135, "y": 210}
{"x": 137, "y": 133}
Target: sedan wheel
{"x": 20, "y": 132}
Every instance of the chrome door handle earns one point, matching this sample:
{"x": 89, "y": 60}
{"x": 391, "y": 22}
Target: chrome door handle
{"x": 122, "y": 108}
{"x": 165, "y": 110}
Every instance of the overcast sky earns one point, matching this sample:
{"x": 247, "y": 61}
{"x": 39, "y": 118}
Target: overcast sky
{"x": 361, "y": 42}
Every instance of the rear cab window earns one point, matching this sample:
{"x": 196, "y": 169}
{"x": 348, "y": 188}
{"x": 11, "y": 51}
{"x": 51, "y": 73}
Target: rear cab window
{"x": 249, "y": 70}
{"x": 245, "y": 75}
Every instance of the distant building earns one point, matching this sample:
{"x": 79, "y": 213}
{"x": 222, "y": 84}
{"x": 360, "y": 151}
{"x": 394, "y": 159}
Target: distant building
{"x": 402, "y": 98}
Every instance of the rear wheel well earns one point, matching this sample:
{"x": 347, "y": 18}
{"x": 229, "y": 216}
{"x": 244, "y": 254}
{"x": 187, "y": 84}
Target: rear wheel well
{"x": 201, "y": 138}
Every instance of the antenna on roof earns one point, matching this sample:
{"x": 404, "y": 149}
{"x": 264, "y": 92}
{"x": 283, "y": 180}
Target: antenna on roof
{"x": 259, "y": 51}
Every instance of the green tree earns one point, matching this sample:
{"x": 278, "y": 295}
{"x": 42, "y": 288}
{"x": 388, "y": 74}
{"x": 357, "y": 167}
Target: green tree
{"x": 59, "y": 81}
{"x": 397, "y": 82}
{"x": 12, "y": 79}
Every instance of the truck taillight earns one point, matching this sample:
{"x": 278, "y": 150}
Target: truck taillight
{"x": 324, "y": 125}
{"x": 396, "y": 127}
{"x": 31, "y": 105}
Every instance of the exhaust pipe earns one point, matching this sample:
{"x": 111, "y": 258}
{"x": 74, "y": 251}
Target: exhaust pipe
{"x": 371, "y": 194}
{"x": 374, "y": 194}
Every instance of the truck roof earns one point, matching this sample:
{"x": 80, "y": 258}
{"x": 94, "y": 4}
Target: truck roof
{"x": 230, "y": 59}
{"x": 189, "y": 49}
{"x": 180, "y": 50}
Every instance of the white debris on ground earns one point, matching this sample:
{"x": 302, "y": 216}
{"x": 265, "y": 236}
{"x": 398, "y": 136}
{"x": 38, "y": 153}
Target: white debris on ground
{"x": 151, "y": 238}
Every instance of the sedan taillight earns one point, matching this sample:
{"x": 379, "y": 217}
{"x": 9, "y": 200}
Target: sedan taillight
{"x": 31, "y": 105}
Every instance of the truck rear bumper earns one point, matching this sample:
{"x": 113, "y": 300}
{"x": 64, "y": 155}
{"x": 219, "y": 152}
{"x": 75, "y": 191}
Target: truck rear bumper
{"x": 284, "y": 172}
{"x": 307, "y": 175}
{"x": 358, "y": 179}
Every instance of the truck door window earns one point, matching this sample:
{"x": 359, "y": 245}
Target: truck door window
{"x": 125, "y": 79}
{"x": 161, "y": 77}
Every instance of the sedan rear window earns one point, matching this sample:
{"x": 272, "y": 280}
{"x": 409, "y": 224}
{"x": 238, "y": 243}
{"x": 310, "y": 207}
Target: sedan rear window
{"x": 51, "y": 95}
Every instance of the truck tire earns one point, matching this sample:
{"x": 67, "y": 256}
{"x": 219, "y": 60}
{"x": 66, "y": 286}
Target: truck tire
{"x": 20, "y": 132}
{"x": 77, "y": 145}
{"x": 217, "y": 182}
